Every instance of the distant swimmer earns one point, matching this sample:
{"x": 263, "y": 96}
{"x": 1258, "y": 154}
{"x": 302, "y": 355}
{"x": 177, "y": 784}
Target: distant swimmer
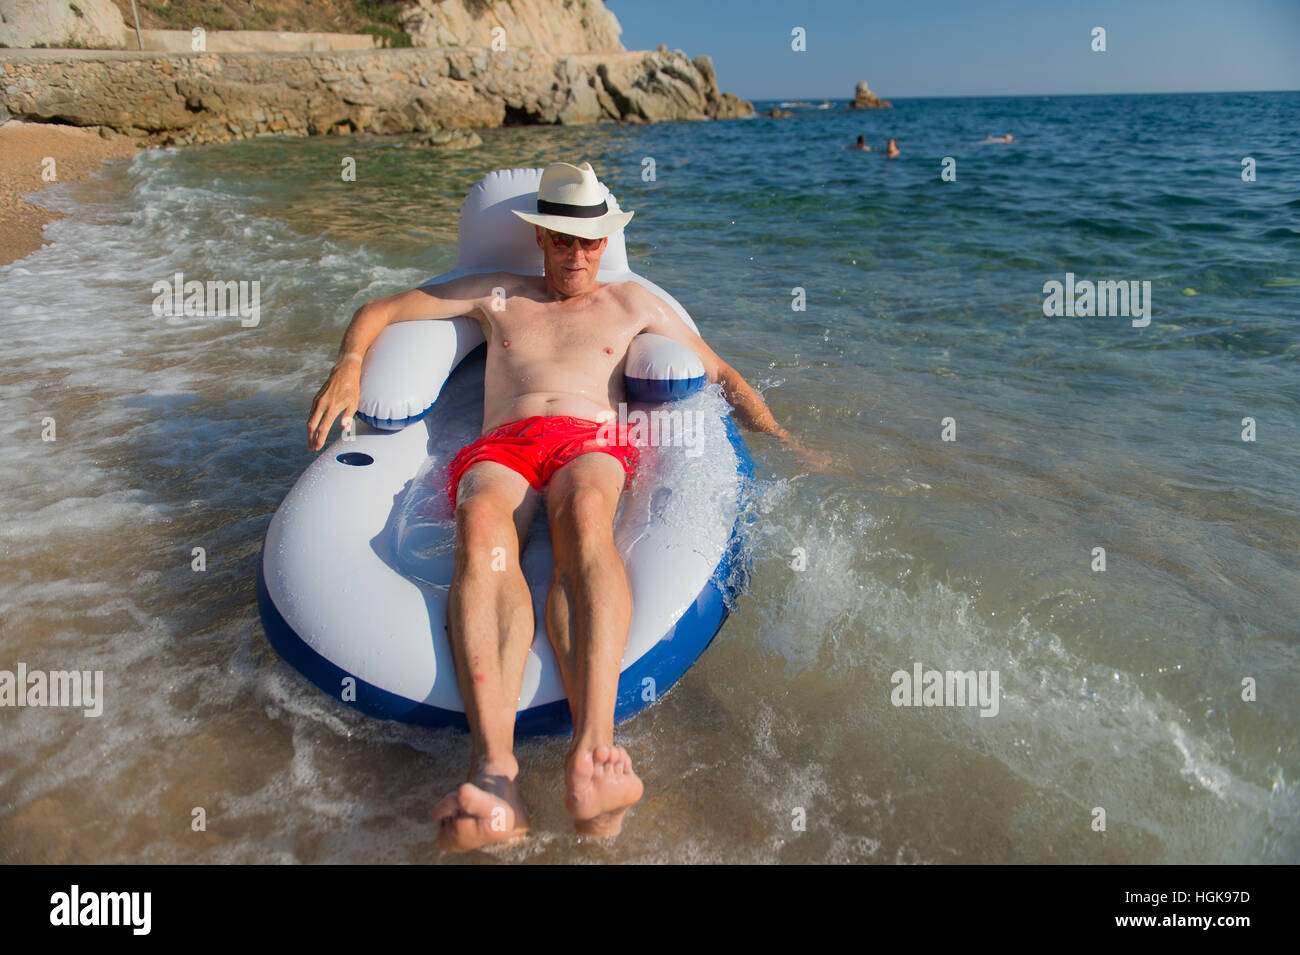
{"x": 891, "y": 148}
{"x": 999, "y": 139}
{"x": 861, "y": 144}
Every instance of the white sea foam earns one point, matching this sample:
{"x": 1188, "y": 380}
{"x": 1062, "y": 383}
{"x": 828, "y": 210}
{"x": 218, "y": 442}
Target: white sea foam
{"x": 1118, "y": 744}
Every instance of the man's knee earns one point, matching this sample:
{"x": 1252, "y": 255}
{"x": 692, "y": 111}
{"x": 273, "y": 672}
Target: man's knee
{"x": 485, "y": 530}
{"x": 582, "y": 526}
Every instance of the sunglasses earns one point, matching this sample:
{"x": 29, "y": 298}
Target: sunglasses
{"x": 562, "y": 241}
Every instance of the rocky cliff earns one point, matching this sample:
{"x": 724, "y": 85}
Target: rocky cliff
{"x": 552, "y": 26}
{"x": 88, "y": 23}
{"x": 205, "y": 97}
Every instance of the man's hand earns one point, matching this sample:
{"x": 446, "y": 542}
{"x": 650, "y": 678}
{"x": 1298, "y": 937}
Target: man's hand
{"x": 338, "y": 396}
{"x": 813, "y": 460}
{"x": 750, "y": 408}
{"x": 342, "y": 391}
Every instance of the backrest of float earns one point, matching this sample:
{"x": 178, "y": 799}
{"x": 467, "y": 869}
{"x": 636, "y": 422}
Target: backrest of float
{"x": 404, "y": 371}
{"x": 492, "y": 238}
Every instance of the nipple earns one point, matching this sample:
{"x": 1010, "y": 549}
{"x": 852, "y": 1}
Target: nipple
{"x": 608, "y": 350}
{"x": 505, "y": 343}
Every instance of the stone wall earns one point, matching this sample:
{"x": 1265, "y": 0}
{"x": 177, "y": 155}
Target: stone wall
{"x": 205, "y": 97}
{"x": 251, "y": 41}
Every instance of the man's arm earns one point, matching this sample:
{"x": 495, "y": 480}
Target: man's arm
{"x": 342, "y": 390}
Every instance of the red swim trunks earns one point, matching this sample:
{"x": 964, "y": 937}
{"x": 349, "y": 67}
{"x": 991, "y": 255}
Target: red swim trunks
{"x": 537, "y": 447}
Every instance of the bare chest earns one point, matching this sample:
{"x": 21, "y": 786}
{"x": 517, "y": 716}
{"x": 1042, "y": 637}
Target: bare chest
{"x": 528, "y": 331}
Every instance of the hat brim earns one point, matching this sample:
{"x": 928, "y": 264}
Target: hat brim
{"x": 598, "y": 228}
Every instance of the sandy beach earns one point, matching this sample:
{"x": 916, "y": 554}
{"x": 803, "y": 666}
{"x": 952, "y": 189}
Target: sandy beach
{"x": 77, "y": 154}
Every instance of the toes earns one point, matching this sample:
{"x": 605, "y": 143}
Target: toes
{"x": 446, "y": 809}
{"x": 583, "y": 765}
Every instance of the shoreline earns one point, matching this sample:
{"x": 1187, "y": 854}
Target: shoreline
{"x": 78, "y": 154}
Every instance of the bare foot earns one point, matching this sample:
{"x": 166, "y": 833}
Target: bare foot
{"x": 485, "y": 810}
{"x": 600, "y": 787}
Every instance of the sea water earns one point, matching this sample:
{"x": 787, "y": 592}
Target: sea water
{"x": 991, "y": 458}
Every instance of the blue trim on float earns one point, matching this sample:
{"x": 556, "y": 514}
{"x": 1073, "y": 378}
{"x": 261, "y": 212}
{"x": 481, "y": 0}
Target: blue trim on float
{"x": 662, "y": 389}
{"x": 371, "y": 700}
{"x": 665, "y": 663}
{"x": 392, "y": 424}
{"x": 397, "y": 424}
{"x": 737, "y": 563}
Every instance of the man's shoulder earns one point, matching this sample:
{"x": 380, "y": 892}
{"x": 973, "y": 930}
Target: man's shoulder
{"x": 630, "y": 291}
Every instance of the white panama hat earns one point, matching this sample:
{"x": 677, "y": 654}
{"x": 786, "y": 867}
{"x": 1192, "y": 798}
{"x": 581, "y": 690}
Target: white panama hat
{"x": 570, "y": 200}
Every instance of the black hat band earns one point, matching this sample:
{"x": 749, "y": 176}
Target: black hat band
{"x": 546, "y": 207}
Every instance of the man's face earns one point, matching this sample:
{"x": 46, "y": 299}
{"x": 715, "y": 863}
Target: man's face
{"x": 571, "y": 262}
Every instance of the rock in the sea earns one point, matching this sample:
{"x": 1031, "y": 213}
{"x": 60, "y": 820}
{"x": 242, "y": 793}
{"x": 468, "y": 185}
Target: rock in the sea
{"x": 779, "y": 113}
{"x": 863, "y": 98}
{"x": 61, "y": 23}
{"x": 448, "y": 139}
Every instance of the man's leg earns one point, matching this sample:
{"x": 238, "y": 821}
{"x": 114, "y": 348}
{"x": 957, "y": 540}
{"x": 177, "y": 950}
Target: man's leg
{"x": 490, "y": 623}
{"x": 588, "y": 611}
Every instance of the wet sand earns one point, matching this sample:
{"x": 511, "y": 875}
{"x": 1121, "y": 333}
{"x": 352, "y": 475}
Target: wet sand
{"x": 77, "y": 154}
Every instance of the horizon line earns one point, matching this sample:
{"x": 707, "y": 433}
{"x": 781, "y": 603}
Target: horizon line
{"x": 848, "y": 99}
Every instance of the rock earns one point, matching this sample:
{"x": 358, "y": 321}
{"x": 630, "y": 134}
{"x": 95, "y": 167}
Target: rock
{"x": 582, "y": 104}
{"x": 448, "y": 139}
{"x": 175, "y": 98}
{"x": 551, "y": 26}
{"x": 863, "y": 98}
{"x": 106, "y": 133}
{"x": 730, "y": 106}
{"x": 779, "y": 113}
{"x": 60, "y": 23}
{"x": 704, "y": 66}
{"x": 653, "y": 87}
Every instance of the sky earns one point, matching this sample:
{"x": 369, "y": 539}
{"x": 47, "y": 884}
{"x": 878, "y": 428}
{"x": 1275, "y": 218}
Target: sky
{"x": 977, "y": 47}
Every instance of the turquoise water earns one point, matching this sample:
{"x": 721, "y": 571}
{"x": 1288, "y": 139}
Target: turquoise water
{"x": 1120, "y": 690}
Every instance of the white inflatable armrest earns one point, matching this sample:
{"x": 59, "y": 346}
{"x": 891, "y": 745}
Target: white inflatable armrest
{"x": 655, "y": 357}
{"x": 404, "y": 371}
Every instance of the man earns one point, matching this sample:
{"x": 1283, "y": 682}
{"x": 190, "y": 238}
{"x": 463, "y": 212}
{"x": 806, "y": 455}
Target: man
{"x": 891, "y": 148}
{"x": 556, "y": 351}
{"x": 861, "y": 144}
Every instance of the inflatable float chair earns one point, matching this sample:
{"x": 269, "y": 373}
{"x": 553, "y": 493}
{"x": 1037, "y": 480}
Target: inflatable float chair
{"x": 354, "y": 573}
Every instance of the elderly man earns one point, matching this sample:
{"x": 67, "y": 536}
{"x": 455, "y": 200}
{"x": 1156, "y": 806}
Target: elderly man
{"x": 556, "y": 347}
